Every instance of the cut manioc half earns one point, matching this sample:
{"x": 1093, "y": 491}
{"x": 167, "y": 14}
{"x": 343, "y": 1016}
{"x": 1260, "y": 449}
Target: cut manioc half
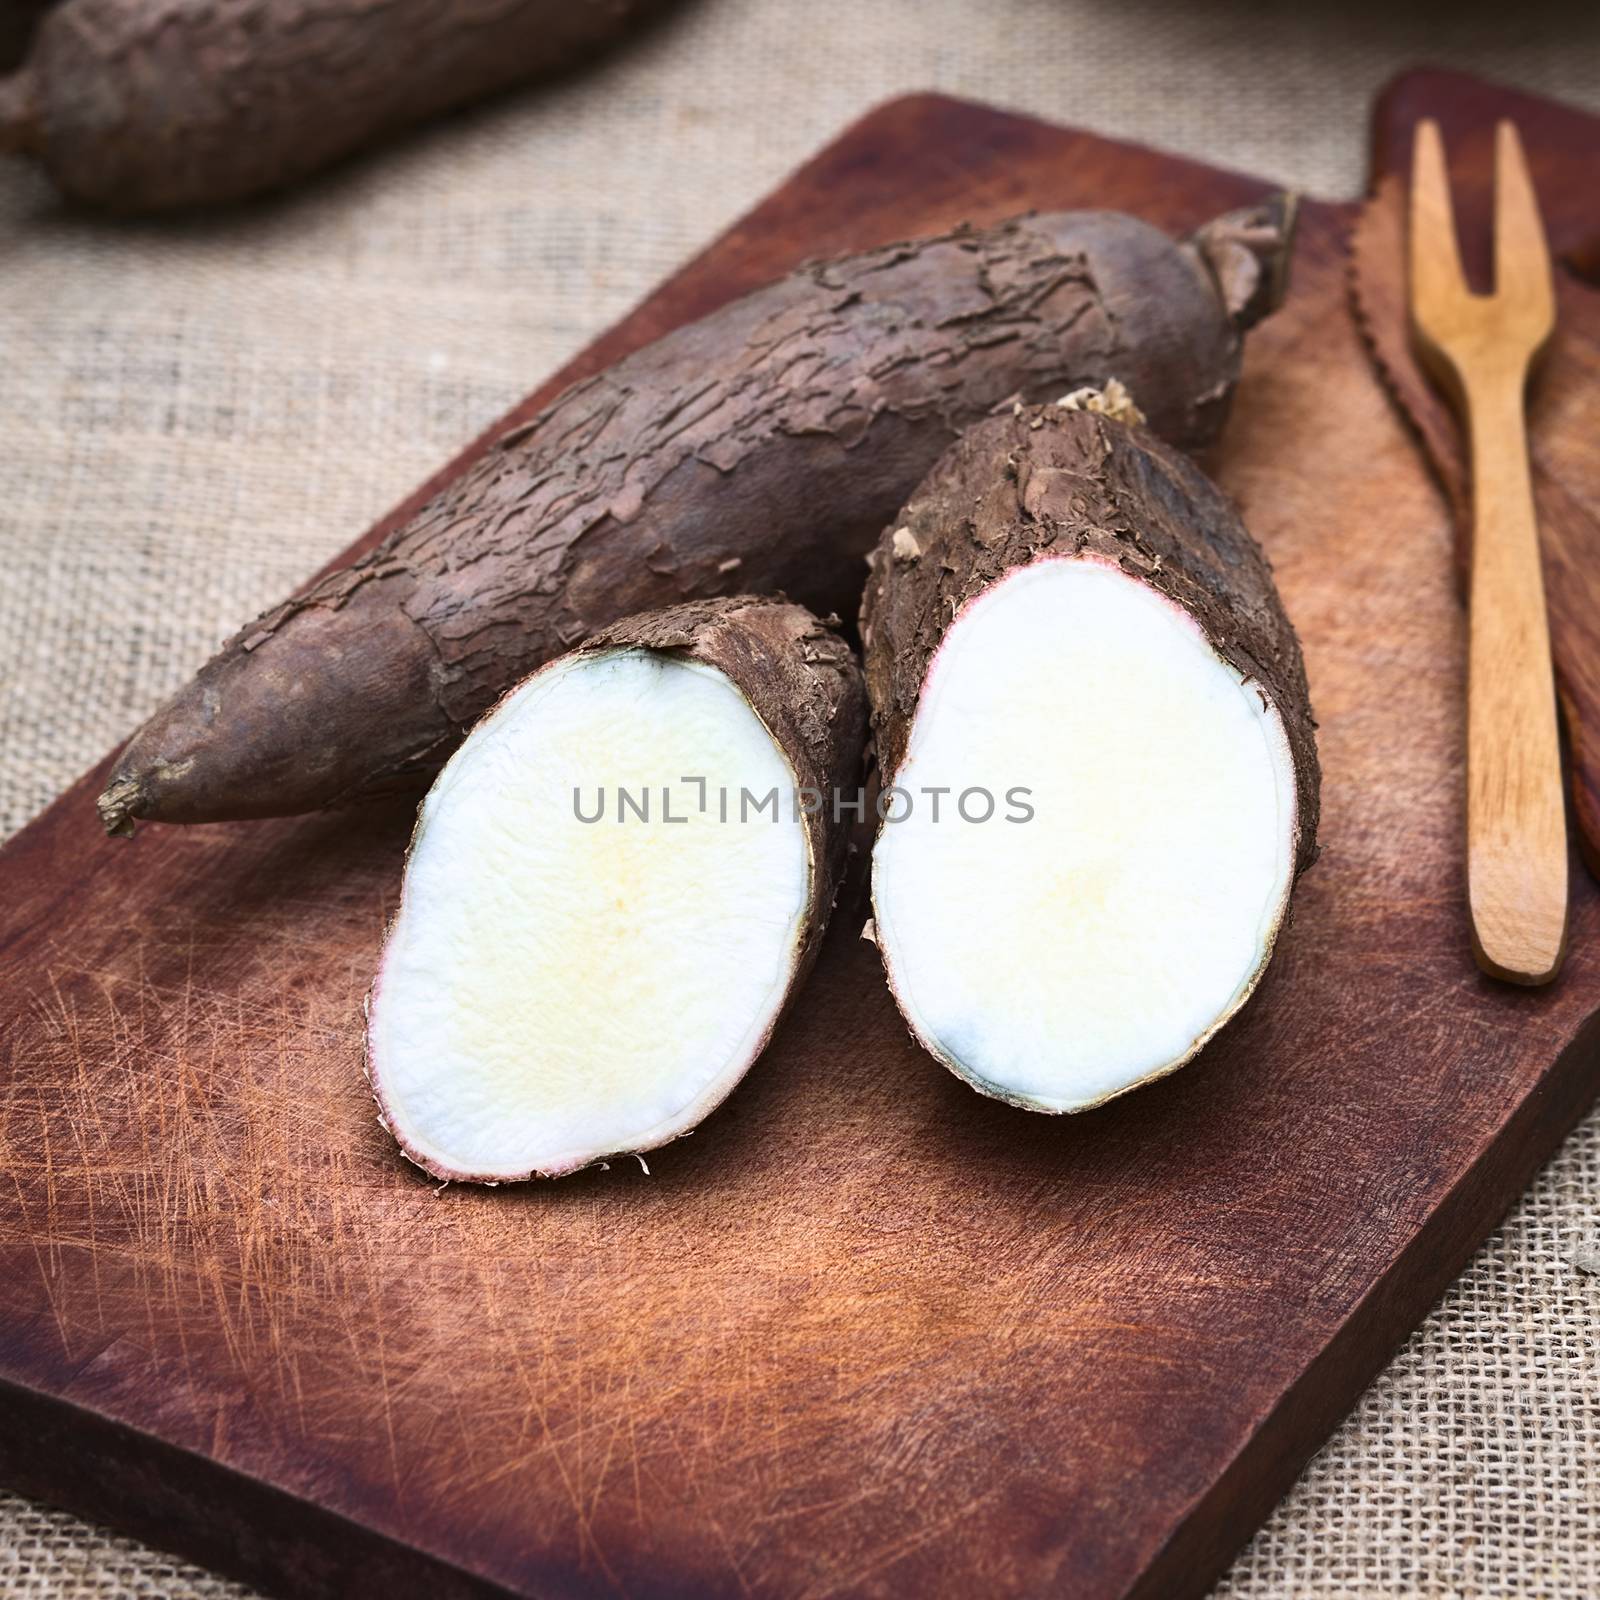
{"x": 1093, "y": 713}
{"x": 615, "y": 885}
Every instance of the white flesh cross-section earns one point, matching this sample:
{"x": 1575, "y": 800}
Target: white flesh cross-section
{"x": 555, "y": 990}
{"x": 1061, "y": 960}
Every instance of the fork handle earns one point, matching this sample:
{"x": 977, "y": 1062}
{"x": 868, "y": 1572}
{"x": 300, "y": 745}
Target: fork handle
{"x": 1516, "y": 809}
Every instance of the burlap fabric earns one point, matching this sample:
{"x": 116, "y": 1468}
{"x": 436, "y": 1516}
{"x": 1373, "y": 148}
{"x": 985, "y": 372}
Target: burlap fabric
{"x": 193, "y": 417}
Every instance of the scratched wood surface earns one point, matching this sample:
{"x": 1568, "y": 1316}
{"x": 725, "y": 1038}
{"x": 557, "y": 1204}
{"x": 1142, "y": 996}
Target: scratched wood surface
{"x": 865, "y": 1333}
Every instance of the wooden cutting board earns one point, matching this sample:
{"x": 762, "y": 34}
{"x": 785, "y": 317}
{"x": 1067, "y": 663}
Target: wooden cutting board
{"x": 865, "y": 1333}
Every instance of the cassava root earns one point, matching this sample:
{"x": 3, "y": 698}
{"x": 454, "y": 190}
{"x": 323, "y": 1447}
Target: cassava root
{"x": 760, "y": 449}
{"x": 162, "y": 104}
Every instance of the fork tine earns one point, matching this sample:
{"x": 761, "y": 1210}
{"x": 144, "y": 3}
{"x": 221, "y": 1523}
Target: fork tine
{"x": 1436, "y": 276}
{"x": 1521, "y": 255}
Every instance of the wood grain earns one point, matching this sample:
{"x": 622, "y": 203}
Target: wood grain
{"x": 1479, "y": 349}
{"x": 865, "y": 1333}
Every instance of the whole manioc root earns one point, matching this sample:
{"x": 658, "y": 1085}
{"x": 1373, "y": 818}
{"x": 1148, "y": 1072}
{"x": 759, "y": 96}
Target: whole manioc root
{"x": 154, "y": 105}
{"x": 580, "y": 972}
{"x": 758, "y": 450}
{"x": 1100, "y": 769}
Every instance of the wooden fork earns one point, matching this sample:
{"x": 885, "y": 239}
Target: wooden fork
{"x": 1480, "y": 349}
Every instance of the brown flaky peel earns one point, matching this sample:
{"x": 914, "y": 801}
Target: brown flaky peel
{"x": 1565, "y": 458}
{"x": 759, "y": 449}
{"x": 152, "y": 107}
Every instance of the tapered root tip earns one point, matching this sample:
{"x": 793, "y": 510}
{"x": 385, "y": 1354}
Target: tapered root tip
{"x": 19, "y": 127}
{"x": 118, "y": 806}
{"x": 1248, "y": 252}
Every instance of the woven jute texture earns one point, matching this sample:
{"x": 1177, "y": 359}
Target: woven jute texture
{"x": 194, "y": 416}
